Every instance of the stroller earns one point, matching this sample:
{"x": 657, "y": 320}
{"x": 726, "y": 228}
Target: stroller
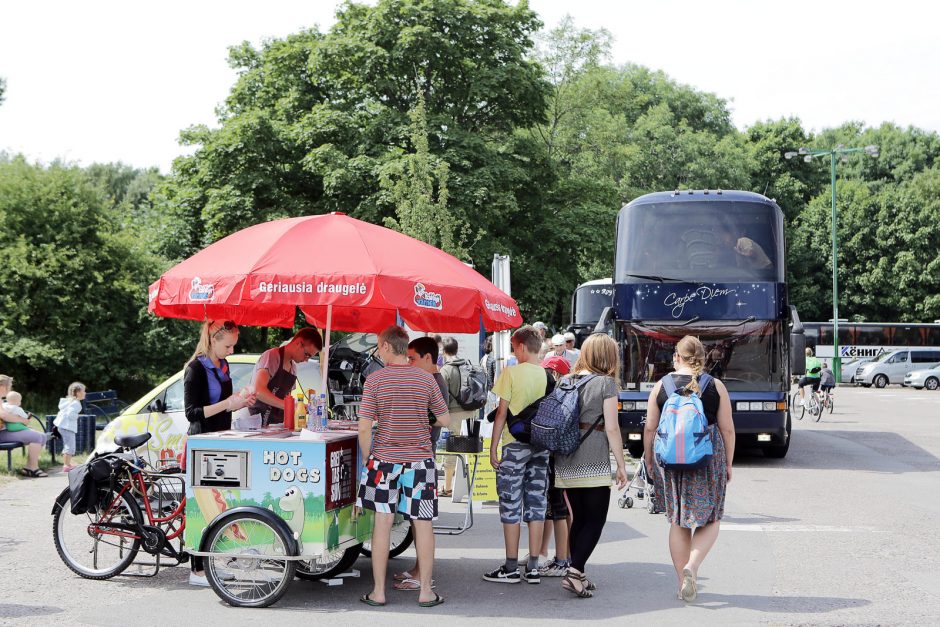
{"x": 645, "y": 484}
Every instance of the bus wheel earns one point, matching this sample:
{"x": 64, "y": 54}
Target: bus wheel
{"x": 780, "y": 450}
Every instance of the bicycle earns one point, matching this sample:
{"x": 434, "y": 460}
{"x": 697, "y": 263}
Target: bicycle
{"x": 813, "y": 404}
{"x": 103, "y": 543}
{"x": 827, "y": 400}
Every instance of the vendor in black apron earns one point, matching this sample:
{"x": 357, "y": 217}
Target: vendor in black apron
{"x": 275, "y": 374}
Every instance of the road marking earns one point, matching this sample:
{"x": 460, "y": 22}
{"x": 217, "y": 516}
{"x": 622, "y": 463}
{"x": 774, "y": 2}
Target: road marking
{"x": 798, "y": 528}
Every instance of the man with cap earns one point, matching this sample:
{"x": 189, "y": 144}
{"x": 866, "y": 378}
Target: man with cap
{"x": 558, "y": 348}
{"x": 569, "y": 345}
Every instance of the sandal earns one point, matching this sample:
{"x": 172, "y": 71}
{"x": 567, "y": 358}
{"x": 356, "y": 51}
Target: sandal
{"x": 402, "y": 576}
{"x": 446, "y": 493}
{"x": 370, "y": 601}
{"x": 437, "y": 600}
{"x": 410, "y": 584}
{"x": 688, "y": 591}
{"x": 33, "y": 474}
{"x": 567, "y": 583}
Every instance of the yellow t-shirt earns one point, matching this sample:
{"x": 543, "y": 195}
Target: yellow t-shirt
{"x": 520, "y": 385}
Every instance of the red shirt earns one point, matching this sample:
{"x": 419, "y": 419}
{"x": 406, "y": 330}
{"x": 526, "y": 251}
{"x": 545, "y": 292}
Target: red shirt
{"x": 399, "y": 397}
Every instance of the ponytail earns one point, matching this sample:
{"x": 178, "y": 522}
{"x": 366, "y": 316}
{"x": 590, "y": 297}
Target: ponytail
{"x": 693, "y": 353}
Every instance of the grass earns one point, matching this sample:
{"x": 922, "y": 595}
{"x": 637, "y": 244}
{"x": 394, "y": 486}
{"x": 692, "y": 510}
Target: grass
{"x": 45, "y": 462}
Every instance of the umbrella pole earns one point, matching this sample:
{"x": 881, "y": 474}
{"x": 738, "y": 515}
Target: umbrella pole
{"x": 325, "y": 358}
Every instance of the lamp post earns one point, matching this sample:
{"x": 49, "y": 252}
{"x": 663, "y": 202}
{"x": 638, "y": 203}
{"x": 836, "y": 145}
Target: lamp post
{"x": 808, "y": 155}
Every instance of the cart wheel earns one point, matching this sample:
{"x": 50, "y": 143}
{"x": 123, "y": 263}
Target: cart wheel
{"x": 629, "y": 502}
{"x": 640, "y": 494}
{"x": 650, "y": 506}
{"x": 338, "y": 563}
{"x": 249, "y": 581}
{"x": 622, "y": 502}
{"x": 401, "y": 539}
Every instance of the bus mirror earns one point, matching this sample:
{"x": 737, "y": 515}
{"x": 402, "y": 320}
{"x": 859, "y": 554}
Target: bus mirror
{"x": 797, "y": 354}
{"x": 605, "y": 323}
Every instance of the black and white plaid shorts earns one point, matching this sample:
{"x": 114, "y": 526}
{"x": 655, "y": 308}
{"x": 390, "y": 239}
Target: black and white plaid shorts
{"x": 407, "y": 488}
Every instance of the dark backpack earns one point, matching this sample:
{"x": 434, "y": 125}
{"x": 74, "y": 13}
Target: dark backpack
{"x": 472, "y": 392}
{"x": 520, "y": 425}
{"x": 556, "y": 426}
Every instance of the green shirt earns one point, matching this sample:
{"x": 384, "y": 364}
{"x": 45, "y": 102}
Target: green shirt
{"x": 812, "y": 363}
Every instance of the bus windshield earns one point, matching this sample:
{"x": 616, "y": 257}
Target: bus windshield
{"x": 746, "y": 357}
{"x": 721, "y": 241}
{"x": 590, "y": 301}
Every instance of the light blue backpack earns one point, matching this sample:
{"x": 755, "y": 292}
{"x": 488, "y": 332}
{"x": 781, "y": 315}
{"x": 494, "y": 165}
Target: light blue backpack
{"x": 682, "y": 438}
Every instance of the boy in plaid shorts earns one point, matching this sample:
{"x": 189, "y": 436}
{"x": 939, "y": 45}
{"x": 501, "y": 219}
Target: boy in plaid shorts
{"x": 399, "y": 474}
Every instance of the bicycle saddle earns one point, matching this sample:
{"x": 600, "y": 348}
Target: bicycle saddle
{"x": 131, "y": 441}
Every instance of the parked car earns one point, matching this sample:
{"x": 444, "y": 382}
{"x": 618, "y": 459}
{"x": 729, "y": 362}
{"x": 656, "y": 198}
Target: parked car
{"x": 160, "y": 411}
{"x": 892, "y": 367}
{"x": 924, "y": 378}
{"x": 849, "y": 368}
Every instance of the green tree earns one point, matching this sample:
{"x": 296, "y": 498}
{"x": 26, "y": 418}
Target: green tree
{"x": 418, "y": 187}
{"x": 74, "y": 285}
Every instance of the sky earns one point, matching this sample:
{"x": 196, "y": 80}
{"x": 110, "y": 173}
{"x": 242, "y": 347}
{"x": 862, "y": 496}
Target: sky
{"x": 107, "y": 81}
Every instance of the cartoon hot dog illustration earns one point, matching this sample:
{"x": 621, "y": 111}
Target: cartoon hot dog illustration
{"x": 211, "y": 503}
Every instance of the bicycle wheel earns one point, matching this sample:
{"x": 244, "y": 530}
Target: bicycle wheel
{"x": 796, "y": 408}
{"x": 818, "y": 409}
{"x": 249, "y": 581}
{"x": 336, "y": 564}
{"x": 96, "y": 555}
{"x": 830, "y": 402}
{"x": 401, "y": 539}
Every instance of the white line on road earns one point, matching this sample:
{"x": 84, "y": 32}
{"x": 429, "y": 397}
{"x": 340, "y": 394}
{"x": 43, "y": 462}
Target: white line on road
{"x": 798, "y": 528}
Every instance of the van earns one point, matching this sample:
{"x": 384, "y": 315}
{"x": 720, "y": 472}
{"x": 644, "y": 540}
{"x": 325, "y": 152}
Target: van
{"x": 891, "y": 367}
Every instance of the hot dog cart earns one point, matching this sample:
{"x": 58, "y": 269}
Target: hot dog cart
{"x": 262, "y": 506}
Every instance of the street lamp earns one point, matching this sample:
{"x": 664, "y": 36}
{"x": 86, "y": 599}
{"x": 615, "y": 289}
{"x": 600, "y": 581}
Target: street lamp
{"x": 808, "y": 155}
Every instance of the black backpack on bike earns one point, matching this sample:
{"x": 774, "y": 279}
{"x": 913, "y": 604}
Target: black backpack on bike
{"x": 86, "y": 481}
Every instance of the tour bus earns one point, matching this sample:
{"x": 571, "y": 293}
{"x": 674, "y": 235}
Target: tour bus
{"x": 588, "y": 302}
{"x": 709, "y": 264}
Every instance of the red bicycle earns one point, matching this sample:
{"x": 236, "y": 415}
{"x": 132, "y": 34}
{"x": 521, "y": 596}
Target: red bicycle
{"x": 135, "y": 507}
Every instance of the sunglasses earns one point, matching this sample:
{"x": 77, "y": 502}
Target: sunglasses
{"x": 307, "y": 354}
{"x": 227, "y": 325}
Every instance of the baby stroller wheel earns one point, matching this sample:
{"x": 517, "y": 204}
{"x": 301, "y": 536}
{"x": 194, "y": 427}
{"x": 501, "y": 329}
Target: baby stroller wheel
{"x": 629, "y": 502}
{"x": 639, "y": 494}
{"x": 622, "y": 502}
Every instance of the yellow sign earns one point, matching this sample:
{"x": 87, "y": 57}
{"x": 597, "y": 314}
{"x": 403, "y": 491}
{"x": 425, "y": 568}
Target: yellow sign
{"x": 485, "y": 487}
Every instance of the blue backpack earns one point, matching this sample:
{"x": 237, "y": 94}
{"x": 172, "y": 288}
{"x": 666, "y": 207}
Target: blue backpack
{"x": 682, "y": 438}
{"x": 556, "y": 425}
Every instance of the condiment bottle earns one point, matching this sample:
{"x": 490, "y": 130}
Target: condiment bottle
{"x": 289, "y": 412}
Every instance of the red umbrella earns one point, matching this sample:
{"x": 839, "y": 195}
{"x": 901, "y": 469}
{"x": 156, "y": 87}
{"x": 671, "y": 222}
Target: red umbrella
{"x": 342, "y": 273}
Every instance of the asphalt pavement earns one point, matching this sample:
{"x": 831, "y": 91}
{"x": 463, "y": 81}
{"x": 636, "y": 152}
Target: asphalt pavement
{"x": 842, "y": 531}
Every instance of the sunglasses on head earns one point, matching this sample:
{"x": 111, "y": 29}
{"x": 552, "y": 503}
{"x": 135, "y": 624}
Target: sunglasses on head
{"x": 226, "y": 325}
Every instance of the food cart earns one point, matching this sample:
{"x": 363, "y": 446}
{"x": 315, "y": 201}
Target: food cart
{"x": 263, "y": 506}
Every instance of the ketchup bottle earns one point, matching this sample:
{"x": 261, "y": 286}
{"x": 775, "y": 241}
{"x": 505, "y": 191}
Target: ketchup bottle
{"x": 289, "y": 412}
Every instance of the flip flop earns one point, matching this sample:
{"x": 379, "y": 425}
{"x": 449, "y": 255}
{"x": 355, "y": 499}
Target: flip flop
{"x": 437, "y": 600}
{"x": 402, "y": 576}
{"x": 410, "y": 584}
{"x": 370, "y": 601}
{"x": 688, "y": 591}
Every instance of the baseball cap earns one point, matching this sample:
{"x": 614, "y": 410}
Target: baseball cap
{"x": 558, "y": 340}
{"x": 569, "y": 336}
{"x": 539, "y": 325}
{"x": 557, "y": 363}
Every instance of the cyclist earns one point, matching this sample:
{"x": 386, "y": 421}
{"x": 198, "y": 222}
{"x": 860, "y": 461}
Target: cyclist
{"x": 827, "y": 379}
{"x": 813, "y": 370}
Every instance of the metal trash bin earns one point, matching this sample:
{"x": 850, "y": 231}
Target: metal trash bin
{"x": 84, "y": 436}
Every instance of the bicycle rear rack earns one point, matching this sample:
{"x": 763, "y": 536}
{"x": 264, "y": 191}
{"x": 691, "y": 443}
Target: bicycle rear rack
{"x": 165, "y": 493}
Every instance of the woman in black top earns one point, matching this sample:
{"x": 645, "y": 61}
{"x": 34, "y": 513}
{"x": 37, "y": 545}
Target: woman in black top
{"x": 694, "y": 499}
{"x": 207, "y": 393}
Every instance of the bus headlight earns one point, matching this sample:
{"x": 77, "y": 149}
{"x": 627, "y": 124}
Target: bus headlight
{"x": 628, "y": 405}
{"x": 642, "y": 404}
{"x": 742, "y": 406}
{"x": 769, "y": 406}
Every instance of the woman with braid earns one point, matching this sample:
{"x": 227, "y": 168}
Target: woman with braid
{"x": 695, "y": 499}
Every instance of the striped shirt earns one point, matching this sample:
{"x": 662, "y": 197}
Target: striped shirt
{"x": 399, "y": 397}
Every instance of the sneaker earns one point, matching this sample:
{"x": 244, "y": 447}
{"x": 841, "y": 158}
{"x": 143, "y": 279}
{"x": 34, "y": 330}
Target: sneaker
{"x": 198, "y": 580}
{"x": 554, "y": 568}
{"x": 68, "y": 467}
{"x": 501, "y": 576}
{"x": 532, "y": 576}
